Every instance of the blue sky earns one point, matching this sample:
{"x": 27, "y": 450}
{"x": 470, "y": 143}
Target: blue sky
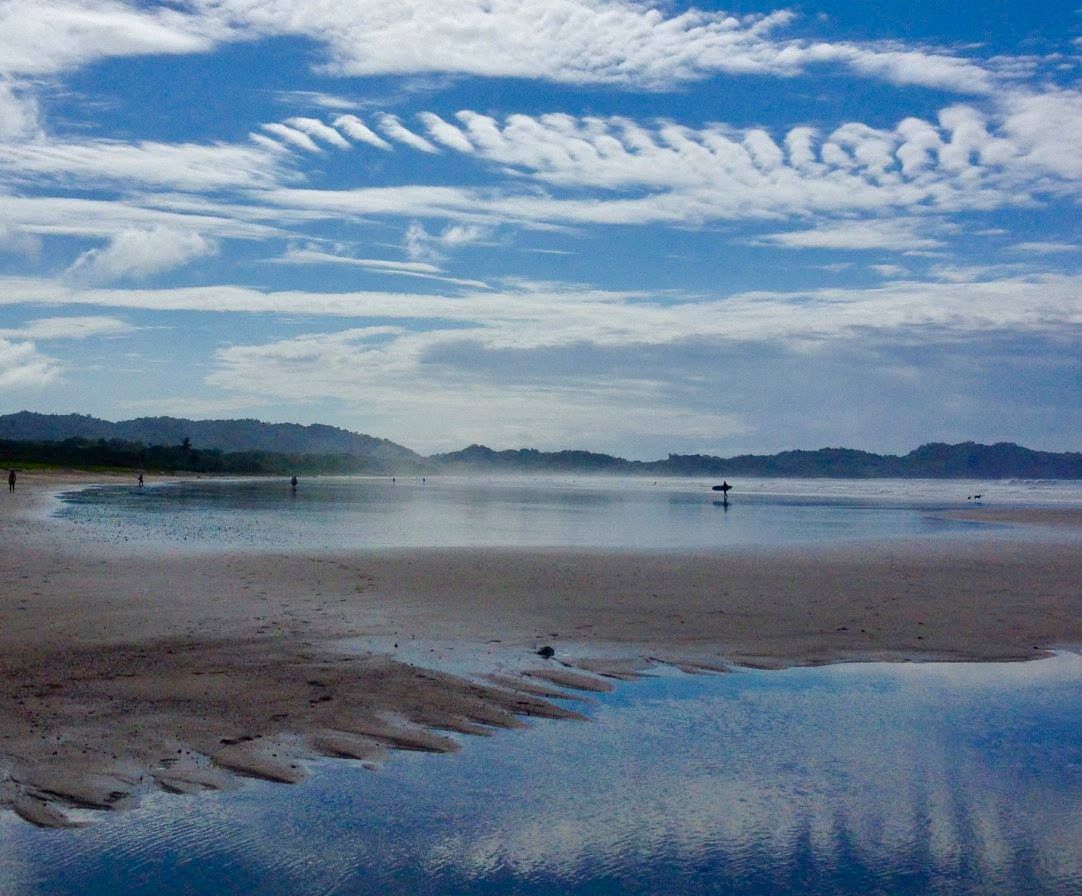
{"x": 621, "y": 226}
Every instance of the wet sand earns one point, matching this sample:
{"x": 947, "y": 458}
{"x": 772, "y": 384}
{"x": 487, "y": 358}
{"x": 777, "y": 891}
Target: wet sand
{"x": 1067, "y": 517}
{"x": 123, "y": 670}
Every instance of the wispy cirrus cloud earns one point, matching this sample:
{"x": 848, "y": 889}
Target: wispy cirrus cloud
{"x": 1045, "y": 248}
{"x": 184, "y": 166}
{"x": 423, "y": 270}
{"x": 309, "y": 98}
{"x": 41, "y": 216}
{"x": 72, "y": 327}
{"x": 893, "y": 234}
{"x": 544, "y": 314}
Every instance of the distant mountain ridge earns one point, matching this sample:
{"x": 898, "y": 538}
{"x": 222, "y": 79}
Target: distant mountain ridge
{"x": 967, "y": 460}
{"x": 224, "y": 435}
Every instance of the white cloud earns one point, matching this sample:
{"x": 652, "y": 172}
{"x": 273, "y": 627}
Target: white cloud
{"x": 671, "y": 174}
{"x": 48, "y": 328}
{"x": 316, "y": 128}
{"x": 1044, "y": 248}
{"x": 417, "y": 243}
{"x": 137, "y": 254}
{"x": 19, "y": 114}
{"x": 445, "y": 133}
{"x": 976, "y": 273}
{"x": 659, "y": 173}
{"x": 39, "y": 38}
{"x": 353, "y": 127}
{"x": 461, "y": 235}
{"x": 45, "y": 215}
{"x": 1047, "y": 129}
{"x": 377, "y": 265}
{"x": 896, "y": 235}
{"x": 393, "y": 128}
{"x": 506, "y": 366}
{"x": 387, "y": 369}
{"x": 22, "y": 366}
{"x": 920, "y": 68}
{"x": 616, "y": 42}
{"x": 186, "y": 166}
{"x": 888, "y": 270}
{"x": 315, "y": 98}
{"x": 16, "y": 241}
{"x": 576, "y": 41}
{"x": 292, "y": 136}
{"x": 420, "y": 244}
{"x": 534, "y": 315}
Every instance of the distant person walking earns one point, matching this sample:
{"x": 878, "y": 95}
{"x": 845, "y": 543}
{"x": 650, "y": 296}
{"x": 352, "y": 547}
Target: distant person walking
{"x": 293, "y": 483}
{"x": 11, "y": 481}
{"x": 140, "y": 480}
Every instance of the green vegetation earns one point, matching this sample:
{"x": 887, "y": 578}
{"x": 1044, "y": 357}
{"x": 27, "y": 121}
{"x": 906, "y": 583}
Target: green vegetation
{"x": 114, "y": 455}
{"x": 262, "y": 443}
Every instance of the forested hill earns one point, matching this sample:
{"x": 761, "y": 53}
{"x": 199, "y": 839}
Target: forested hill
{"x": 967, "y": 460}
{"x": 330, "y": 449}
{"x": 229, "y": 436}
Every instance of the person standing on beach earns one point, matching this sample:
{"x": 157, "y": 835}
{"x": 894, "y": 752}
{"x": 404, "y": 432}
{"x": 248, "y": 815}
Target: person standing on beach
{"x": 293, "y": 482}
{"x": 11, "y": 481}
{"x": 140, "y": 480}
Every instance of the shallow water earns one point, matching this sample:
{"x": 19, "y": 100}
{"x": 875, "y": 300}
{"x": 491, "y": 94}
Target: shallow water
{"x": 357, "y": 513}
{"x": 853, "y": 779}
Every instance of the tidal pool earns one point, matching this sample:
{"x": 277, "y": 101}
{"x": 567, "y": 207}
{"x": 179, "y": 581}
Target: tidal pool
{"x": 850, "y": 779}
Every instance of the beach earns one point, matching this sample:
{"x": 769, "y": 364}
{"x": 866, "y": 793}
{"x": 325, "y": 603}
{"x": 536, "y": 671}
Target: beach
{"x": 122, "y": 665}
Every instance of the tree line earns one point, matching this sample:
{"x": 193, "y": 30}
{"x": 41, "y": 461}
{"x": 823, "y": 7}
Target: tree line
{"x": 115, "y": 454}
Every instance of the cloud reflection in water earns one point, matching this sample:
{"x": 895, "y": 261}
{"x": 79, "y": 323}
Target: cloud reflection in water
{"x": 848, "y": 779}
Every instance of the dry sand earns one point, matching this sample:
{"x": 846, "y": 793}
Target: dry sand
{"x": 121, "y": 671}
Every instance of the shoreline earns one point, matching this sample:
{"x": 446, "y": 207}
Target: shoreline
{"x": 111, "y": 662}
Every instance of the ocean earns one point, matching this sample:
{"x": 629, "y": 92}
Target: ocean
{"x": 356, "y": 513}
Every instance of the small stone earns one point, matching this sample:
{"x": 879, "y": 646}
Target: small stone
{"x": 547, "y": 652}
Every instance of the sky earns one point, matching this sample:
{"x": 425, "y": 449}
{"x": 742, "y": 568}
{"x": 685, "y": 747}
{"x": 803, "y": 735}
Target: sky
{"x": 621, "y": 226}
